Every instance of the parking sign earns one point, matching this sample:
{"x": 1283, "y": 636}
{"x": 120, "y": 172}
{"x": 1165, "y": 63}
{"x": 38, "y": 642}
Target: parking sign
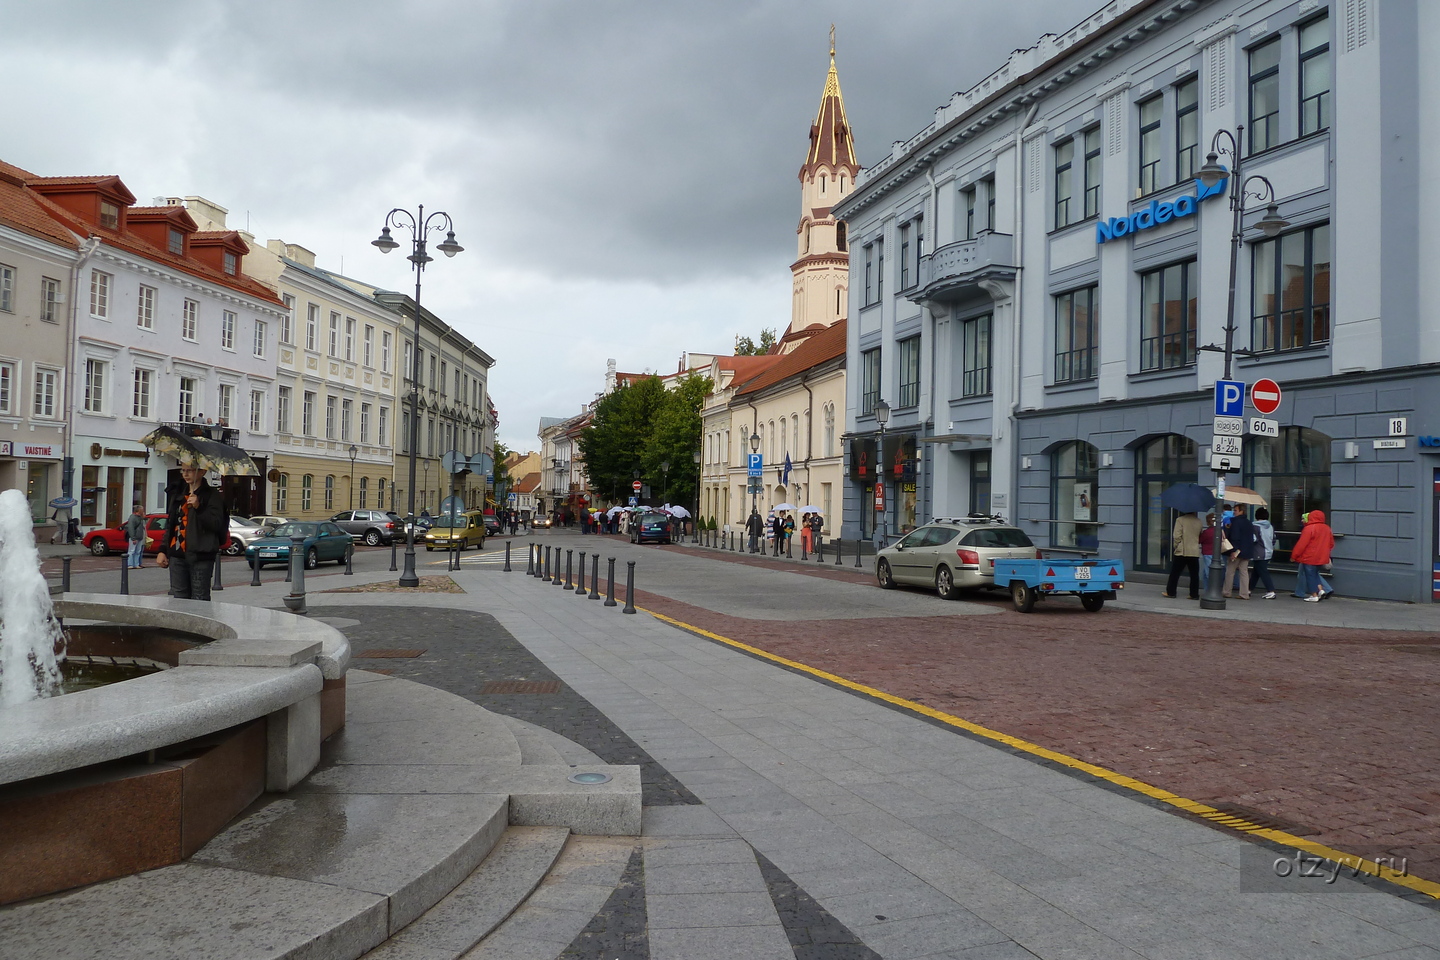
{"x": 1229, "y": 398}
{"x": 756, "y": 464}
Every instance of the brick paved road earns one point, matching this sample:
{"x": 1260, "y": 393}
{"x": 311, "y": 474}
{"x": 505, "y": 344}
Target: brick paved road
{"x": 1328, "y": 732}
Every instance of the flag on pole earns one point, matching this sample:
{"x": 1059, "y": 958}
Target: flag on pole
{"x": 785, "y": 477}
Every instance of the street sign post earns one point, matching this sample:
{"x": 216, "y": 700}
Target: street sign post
{"x": 1225, "y": 446}
{"x": 755, "y": 464}
{"x": 1230, "y": 398}
{"x": 634, "y": 501}
{"x": 1265, "y": 396}
{"x": 1229, "y": 426}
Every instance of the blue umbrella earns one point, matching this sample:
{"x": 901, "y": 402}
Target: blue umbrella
{"x": 1188, "y": 498}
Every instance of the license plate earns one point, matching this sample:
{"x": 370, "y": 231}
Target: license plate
{"x": 268, "y": 553}
{"x": 1082, "y": 573}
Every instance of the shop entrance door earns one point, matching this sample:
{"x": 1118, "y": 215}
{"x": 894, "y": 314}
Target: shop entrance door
{"x": 115, "y": 496}
{"x": 1159, "y": 464}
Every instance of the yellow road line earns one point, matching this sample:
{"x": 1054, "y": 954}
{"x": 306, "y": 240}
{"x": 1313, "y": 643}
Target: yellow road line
{"x": 1349, "y": 861}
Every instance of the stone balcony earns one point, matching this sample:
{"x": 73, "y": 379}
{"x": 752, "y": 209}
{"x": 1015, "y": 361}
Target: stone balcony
{"x": 953, "y": 271}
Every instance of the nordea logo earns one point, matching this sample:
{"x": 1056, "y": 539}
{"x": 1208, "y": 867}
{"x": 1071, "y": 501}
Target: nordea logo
{"x": 1157, "y": 213}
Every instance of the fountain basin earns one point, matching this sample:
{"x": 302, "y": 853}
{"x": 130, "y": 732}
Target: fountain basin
{"x": 139, "y": 774}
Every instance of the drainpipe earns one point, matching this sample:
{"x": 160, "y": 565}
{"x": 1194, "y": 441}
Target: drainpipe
{"x": 1019, "y": 285}
{"x": 67, "y": 465}
{"x": 809, "y": 433}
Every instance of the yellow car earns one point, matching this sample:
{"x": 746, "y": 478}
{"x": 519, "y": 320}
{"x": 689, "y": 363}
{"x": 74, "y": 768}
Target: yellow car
{"x": 466, "y": 530}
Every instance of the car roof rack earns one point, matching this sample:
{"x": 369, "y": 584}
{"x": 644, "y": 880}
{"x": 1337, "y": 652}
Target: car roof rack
{"x": 974, "y": 518}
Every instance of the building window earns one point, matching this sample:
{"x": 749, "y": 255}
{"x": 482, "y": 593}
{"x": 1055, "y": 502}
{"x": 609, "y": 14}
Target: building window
{"x": 879, "y": 270}
{"x": 1187, "y": 129}
{"x": 905, "y": 256}
{"x": 350, "y": 339}
{"x": 382, "y": 427}
{"x": 226, "y": 402}
{"x": 334, "y": 350}
{"x": 312, "y": 325}
{"x": 380, "y": 493}
{"x": 176, "y": 242}
{"x": 430, "y": 438}
{"x": 330, "y": 411}
{"x": 989, "y": 183}
{"x": 95, "y": 386}
{"x": 49, "y": 300}
{"x": 307, "y": 487}
{"x": 46, "y": 387}
{"x": 384, "y": 351}
{"x": 909, "y": 350}
{"x": 840, "y": 236}
{"x": 975, "y": 372}
{"x": 99, "y": 294}
{"x": 1150, "y": 144}
{"x": 7, "y": 388}
{"x": 967, "y": 202}
{"x": 186, "y": 411}
{"x": 1092, "y": 178}
{"x": 257, "y": 411}
{"x": 1064, "y": 181}
{"x": 364, "y": 492}
{"x": 432, "y": 371}
{"x": 364, "y": 423}
{"x": 282, "y": 410}
{"x": 409, "y": 371}
{"x": 227, "y": 329}
{"x": 347, "y": 408}
{"x": 369, "y": 345}
{"x": 829, "y": 446}
{"x": 405, "y": 431}
{"x": 1167, "y": 317}
{"x": 307, "y": 413}
{"x": 282, "y": 494}
{"x": 109, "y": 215}
{"x": 1315, "y": 76}
{"x": 287, "y": 322}
{"x": 869, "y": 381}
{"x": 980, "y": 482}
{"x": 1159, "y": 465}
{"x": 189, "y": 319}
{"x": 1074, "y": 487}
{"x": 1265, "y": 96}
{"x": 232, "y": 263}
{"x": 1291, "y": 291}
{"x": 1075, "y": 347}
{"x": 1292, "y": 472}
{"x": 7, "y": 288}
{"x": 330, "y": 492}
{"x": 140, "y": 394}
{"x": 259, "y": 346}
{"x": 443, "y": 378}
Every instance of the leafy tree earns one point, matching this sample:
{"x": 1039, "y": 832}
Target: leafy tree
{"x": 675, "y": 438}
{"x": 615, "y": 442}
{"x": 745, "y": 347}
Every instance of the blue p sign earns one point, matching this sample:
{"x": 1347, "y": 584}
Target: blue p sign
{"x": 1229, "y": 398}
{"x": 755, "y": 463}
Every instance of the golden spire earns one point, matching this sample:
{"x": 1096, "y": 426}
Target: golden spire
{"x": 830, "y": 140}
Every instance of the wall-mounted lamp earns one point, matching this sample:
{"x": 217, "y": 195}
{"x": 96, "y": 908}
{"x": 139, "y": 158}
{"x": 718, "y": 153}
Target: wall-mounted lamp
{"x": 1026, "y": 463}
{"x": 1107, "y": 459}
{"x": 1352, "y": 449}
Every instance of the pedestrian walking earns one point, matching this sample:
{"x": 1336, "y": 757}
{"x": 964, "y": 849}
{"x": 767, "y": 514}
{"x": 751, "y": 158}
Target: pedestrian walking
{"x": 134, "y": 528}
{"x": 193, "y": 534}
{"x": 1264, "y": 550}
{"x": 1241, "y": 534}
{"x": 755, "y": 528}
{"x": 1207, "y": 549}
{"x": 777, "y": 534}
{"x": 1311, "y": 552}
{"x": 1185, "y": 554}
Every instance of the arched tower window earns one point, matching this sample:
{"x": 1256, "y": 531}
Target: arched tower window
{"x": 822, "y": 184}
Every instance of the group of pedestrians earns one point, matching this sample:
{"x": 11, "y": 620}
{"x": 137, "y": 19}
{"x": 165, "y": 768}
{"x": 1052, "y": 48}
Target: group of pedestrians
{"x": 1247, "y": 547}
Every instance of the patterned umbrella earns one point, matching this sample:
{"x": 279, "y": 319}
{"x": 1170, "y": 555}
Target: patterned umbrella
{"x": 200, "y": 452}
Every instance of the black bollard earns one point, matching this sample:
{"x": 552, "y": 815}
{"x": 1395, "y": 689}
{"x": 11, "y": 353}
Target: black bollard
{"x": 858, "y": 544}
{"x": 255, "y": 572}
{"x": 507, "y": 558}
{"x": 804, "y": 550}
{"x": 595, "y": 576}
{"x": 790, "y": 548}
{"x": 64, "y": 574}
{"x": 546, "y": 568}
{"x": 629, "y": 587}
{"x": 569, "y": 563}
{"x": 215, "y": 583}
{"x": 530, "y": 560}
{"x": 610, "y": 586}
{"x": 295, "y": 602}
{"x": 580, "y": 585}
{"x": 124, "y": 575}
{"x": 393, "y": 568}
{"x": 819, "y": 548}
{"x": 839, "y": 551}
{"x": 539, "y": 567}
{"x": 349, "y": 556}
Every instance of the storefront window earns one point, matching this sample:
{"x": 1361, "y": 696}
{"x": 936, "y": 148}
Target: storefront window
{"x": 89, "y": 494}
{"x": 1159, "y": 464}
{"x": 37, "y": 490}
{"x": 1074, "y": 485}
{"x": 139, "y": 484}
{"x": 1292, "y": 472}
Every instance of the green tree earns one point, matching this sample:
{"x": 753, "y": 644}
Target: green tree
{"x": 745, "y": 347}
{"x": 674, "y": 440}
{"x": 615, "y": 442}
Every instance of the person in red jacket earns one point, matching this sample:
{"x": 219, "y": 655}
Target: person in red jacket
{"x": 1311, "y": 552}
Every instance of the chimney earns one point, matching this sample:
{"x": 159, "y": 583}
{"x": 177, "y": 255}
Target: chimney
{"x": 292, "y": 251}
{"x": 208, "y": 215}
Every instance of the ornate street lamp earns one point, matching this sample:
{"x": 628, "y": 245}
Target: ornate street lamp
{"x": 420, "y": 227}
{"x": 354, "y": 450}
{"x": 1224, "y": 142}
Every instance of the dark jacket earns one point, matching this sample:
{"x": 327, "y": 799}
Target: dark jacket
{"x": 1242, "y": 536}
{"x": 754, "y": 525}
{"x": 208, "y": 528}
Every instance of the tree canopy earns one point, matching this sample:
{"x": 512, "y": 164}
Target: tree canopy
{"x": 639, "y": 427}
{"x": 745, "y": 347}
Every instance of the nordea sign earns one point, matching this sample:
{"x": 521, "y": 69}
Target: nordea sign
{"x": 1157, "y": 213}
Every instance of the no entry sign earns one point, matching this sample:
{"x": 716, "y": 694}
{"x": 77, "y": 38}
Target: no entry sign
{"x": 1265, "y": 396}
{"x": 636, "y": 486}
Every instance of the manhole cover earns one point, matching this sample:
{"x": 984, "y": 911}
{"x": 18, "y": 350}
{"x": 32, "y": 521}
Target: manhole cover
{"x": 590, "y": 778}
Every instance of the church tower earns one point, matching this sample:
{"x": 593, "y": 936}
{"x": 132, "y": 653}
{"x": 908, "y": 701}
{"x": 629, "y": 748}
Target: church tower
{"x": 821, "y": 271}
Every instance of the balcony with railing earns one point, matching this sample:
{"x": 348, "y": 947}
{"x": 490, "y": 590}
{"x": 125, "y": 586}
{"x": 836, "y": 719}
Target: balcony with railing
{"x": 206, "y": 431}
{"x": 950, "y": 271}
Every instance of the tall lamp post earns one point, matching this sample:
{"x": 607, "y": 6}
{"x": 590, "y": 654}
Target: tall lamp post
{"x": 695, "y": 517}
{"x": 665, "y": 479}
{"x": 420, "y": 227}
{"x": 1224, "y": 142}
{"x": 354, "y": 450}
{"x": 754, "y": 493}
{"x": 882, "y": 417}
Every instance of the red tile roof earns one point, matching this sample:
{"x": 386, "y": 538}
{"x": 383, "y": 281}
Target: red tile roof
{"x": 27, "y": 211}
{"x": 821, "y": 348}
{"x": 748, "y": 366}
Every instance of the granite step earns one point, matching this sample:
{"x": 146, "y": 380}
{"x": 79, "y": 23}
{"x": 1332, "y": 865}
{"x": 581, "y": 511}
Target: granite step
{"x": 541, "y": 746}
{"x": 482, "y": 901}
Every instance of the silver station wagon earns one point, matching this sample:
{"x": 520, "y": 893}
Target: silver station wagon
{"x": 952, "y": 554}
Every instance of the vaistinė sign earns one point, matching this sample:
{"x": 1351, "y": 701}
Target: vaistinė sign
{"x": 1158, "y": 212}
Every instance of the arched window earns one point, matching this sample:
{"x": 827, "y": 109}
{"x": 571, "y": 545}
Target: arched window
{"x": 1159, "y": 465}
{"x": 771, "y": 456}
{"x": 822, "y": 183}
{"x": 330, "y": 492}
{"x": 1074, "y": 490}
{"x": 842, "y": 183}
{"x": 1292, "y": 472}
{"x": 380, "y": 493}
{"x": 282, "y": 494}
{"x": 795, "y": 434}
{"x": 307, "y": 486}
{"x": 784, "y": 441}
{"x": 829, "y": 429}
{"x": 364, "y": 492}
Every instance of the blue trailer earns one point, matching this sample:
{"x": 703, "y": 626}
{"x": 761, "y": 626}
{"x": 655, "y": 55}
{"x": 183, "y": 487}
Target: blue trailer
{"x": 1093, "y": 581}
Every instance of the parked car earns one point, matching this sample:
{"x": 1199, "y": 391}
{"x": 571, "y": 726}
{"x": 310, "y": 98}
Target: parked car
{"x": 112, "y": 539}
{"x": 242, "y": 531}
{"x": 952, "y": 554}
{"x": 323, "y": 541}
{"x": 467, "y": 529}
{"x": 650, "y": 528}
{"x": 492, "y": 525}
{"x": 375, "y": 527}
{"x": 268, "y": 524}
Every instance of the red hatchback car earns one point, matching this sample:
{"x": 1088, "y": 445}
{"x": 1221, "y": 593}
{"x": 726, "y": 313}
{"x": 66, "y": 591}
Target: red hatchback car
{"x": 111, "y": 540}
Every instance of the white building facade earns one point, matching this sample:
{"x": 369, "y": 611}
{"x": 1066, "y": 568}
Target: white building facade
{"x": 1044, "y": 352}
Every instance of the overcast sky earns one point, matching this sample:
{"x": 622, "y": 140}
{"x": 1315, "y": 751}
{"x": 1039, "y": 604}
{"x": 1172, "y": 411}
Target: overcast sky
{"x": 621, "y": 174}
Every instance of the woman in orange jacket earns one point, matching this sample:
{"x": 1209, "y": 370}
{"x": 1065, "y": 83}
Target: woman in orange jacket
{"x": 1311, "y": 552}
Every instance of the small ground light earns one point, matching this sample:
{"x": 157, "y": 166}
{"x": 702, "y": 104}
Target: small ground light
{"x": 590, "y": 778}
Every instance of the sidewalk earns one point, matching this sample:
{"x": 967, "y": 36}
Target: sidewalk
{"x": 910, "y": 839}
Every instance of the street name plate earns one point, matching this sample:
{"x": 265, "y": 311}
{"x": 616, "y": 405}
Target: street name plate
{"x": 1225, "y": 446}
{"x": 1393, "y": 443}
{"x": 1260, "y": 427}
{"x": 1229, "y": 426}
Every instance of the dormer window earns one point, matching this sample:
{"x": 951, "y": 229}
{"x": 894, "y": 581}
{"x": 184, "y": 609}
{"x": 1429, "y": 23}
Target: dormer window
{"x": 109, "y": 215}
{"x": 232, "y": 263}
{"x": 176, "y": 244}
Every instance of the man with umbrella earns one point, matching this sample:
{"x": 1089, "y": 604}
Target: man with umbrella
{"x": 1188, "y": 499}
{"x": 196, "y": 530}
